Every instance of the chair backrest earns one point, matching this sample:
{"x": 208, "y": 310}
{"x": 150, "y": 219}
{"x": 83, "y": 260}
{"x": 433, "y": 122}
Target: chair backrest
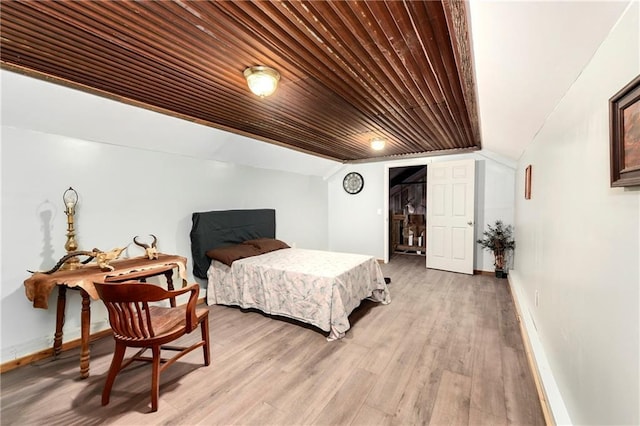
{"x": 128, "y": 306}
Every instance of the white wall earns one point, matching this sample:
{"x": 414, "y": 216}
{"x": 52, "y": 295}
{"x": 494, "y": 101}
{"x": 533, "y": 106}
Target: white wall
{"x": 357, "y": 223}
{"x": 578, "y": 246}
{"x": 123, "y": 192}
{"x": 30, "y": 103}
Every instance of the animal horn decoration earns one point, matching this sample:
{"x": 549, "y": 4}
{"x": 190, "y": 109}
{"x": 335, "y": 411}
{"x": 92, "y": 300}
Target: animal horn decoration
{"x": 150, "y": 250}
{"x": 103, "y": 259}
{"x": 91, "y": 255}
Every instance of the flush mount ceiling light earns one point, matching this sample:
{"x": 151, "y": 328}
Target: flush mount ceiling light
{"x": 377, "y": 144}
{"x": 262, "y": 80}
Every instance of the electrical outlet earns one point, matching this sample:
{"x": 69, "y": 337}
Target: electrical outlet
{"x": 536, "y": 299}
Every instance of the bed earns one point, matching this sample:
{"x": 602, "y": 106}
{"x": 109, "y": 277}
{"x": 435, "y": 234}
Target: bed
{"x": 245, "y": 265}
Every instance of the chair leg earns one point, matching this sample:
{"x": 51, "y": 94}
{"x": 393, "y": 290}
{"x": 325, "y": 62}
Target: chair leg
{"x": 205, "y": 336}
{"x": 116, "y": 362}
{"x": 155, "y": 378}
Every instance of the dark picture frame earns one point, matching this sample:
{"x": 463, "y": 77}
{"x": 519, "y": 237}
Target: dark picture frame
{"x": 624, "y": 126}
{"x": 527, "y": 183}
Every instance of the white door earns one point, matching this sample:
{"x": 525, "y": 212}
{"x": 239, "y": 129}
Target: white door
{"x": 450, "y": 215}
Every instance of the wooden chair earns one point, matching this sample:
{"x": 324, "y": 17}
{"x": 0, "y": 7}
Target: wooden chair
{"x": 135, "y": 323}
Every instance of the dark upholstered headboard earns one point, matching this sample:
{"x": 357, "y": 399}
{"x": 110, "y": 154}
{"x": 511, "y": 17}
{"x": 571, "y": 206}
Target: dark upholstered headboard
{"x": 221, "y": 228}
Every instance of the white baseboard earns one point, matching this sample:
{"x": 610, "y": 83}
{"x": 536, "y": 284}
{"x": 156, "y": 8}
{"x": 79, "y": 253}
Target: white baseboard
{"x": 547, "y": 386}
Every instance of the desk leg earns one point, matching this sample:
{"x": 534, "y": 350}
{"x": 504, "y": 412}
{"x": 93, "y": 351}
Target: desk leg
{"x": 57, "y": 337}
{"x": 169, "y": 276}
{"x": 85, "y": 324}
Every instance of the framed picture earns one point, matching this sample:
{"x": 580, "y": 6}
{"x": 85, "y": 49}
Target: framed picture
{"x": 624, "y": 115}
{"x": 527, "y": 183}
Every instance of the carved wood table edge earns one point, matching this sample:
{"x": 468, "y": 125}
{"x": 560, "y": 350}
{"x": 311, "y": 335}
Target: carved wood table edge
{"x": 39, "y": 287}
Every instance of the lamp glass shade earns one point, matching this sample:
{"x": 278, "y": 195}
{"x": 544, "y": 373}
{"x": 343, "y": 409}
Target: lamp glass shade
{"x": 70, "y": 198}
{"x": 262, "y": 80}
{"x": 377, "y": 144}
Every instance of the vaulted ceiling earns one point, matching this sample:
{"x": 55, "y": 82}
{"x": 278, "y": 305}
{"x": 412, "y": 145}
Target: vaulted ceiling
{"x": 351, "y": 70}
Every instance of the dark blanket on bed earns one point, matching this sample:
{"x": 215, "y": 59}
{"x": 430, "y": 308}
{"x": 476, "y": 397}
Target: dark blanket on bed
{"x": 222, "y": 228}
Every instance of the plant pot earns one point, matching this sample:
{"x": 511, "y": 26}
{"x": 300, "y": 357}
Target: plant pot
{"x": 500, "y": 273}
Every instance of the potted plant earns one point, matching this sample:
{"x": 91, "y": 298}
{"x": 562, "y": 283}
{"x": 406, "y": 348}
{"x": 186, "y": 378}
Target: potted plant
{"x": 499, "y": 240}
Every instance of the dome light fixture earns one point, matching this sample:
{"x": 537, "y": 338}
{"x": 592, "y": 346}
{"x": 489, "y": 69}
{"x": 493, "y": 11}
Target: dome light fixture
{"x": 262, "y": 80}
{"x": 377, "y": 144}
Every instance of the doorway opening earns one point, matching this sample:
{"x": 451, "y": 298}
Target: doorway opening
{"x": 407, "y": 210}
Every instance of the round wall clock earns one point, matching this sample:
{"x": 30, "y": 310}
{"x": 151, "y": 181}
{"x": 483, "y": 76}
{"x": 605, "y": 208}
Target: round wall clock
{"x": 353, "y": 183}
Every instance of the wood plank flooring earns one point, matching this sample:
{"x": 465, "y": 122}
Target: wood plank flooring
{"x": 447, "y": 350}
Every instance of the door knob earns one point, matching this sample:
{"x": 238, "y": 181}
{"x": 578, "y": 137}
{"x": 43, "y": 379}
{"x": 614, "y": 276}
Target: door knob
{"x": 470, "y": 223}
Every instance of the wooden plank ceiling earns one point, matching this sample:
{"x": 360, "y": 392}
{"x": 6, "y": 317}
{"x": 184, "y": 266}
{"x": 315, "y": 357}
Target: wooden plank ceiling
{"x": 351, "y": 70}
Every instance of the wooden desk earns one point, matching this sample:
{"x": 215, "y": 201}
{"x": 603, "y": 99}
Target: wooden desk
{"x": 39, "y": 287}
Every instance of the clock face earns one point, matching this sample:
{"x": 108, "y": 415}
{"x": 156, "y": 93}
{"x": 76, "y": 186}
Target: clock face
{"x": 353, "y": 183}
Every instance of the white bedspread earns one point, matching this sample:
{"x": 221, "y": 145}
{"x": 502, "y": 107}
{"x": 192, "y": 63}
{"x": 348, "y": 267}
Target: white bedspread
{"x": 316, "y": 287}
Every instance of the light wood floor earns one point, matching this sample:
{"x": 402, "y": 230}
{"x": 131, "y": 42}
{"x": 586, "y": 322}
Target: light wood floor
{"x": 447, "y": 350}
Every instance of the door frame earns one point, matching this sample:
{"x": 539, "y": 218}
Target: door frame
{"x": 403, "y": 163}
